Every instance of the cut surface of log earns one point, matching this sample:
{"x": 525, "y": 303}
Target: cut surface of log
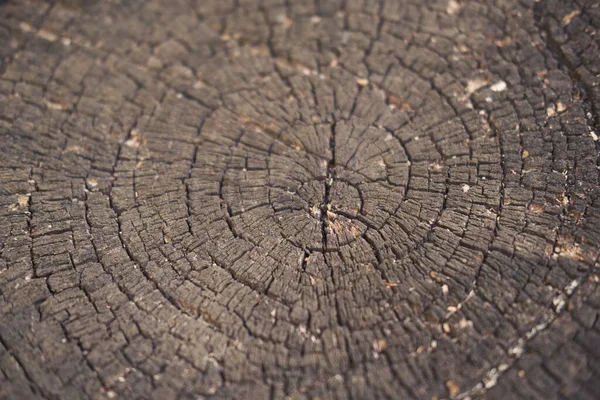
{"x": 256, "y": 199}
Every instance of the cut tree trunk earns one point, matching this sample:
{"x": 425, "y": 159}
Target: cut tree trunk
{"x": 298, "y": 199}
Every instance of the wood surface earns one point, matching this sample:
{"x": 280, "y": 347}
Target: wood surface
{"x": 273, "y": 199}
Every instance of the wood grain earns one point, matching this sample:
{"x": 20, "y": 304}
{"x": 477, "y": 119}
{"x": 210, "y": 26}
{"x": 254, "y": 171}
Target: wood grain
{"x": 250, "y": 199}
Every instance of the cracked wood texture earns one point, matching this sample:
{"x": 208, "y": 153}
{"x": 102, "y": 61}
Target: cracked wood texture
{"x": 300, "y": 199}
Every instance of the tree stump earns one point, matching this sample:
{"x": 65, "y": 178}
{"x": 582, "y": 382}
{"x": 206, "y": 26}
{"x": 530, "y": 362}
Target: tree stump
{"x": 295, "y": 199}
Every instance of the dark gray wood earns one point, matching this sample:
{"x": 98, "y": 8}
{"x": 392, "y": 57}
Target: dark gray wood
{"x": 294, "y": 199}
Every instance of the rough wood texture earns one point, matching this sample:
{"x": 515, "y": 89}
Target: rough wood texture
{"x": 270, "y": 198}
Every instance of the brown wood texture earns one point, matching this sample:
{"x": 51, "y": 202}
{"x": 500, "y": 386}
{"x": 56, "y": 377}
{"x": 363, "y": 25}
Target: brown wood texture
{"x": 345, "y": 199}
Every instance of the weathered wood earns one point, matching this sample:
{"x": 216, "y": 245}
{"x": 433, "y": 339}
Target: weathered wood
{"x": 333, "y": 199}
